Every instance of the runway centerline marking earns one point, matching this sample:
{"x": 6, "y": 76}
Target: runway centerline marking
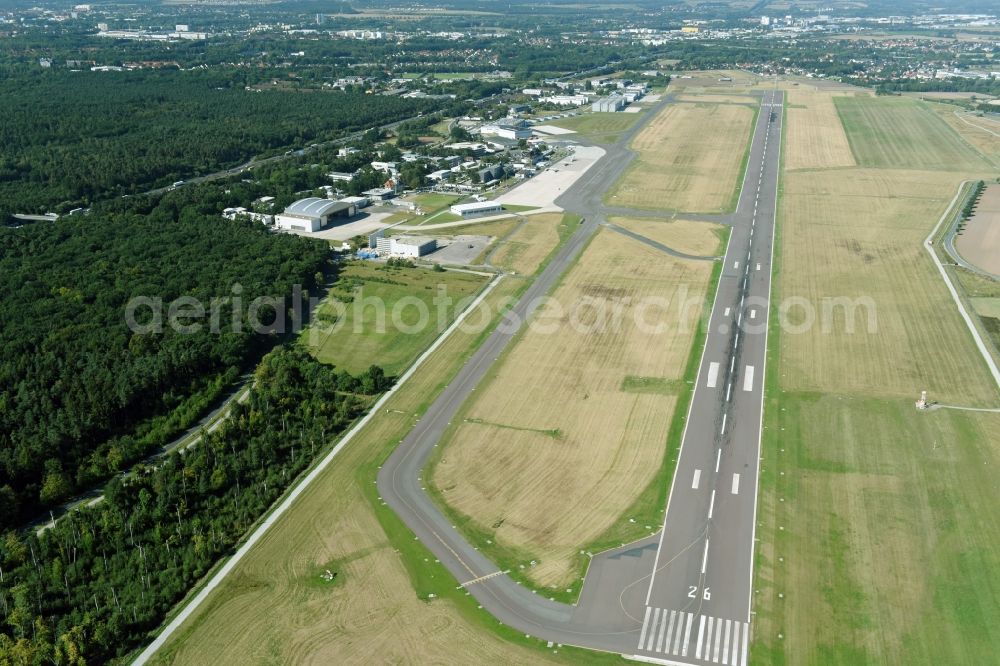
{"x": 697, "y": 478}
{"x": 723, "y": 429}
{"x": 718, "y": 459}
{"x": 711, "y": 505}
{"x": 704, "y": 557}
{"x": 736, "y": 484}
{"x": 748, "y": 379}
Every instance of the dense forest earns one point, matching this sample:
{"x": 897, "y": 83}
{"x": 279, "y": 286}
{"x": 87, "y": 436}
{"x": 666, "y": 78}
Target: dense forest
{"x": 92, "y": 587}
{"x": 71, "y": 137}
{"x": 81, "y": 394}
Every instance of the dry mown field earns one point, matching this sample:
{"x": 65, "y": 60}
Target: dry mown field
{"x": 681, "y": 235}
{"x": 814, "y": 129}
{"x": 878, "y": 536}
{"x": 720, "y": 98}
{"x": 903, "y": 133}
{"x": 275, "y": 608}
{"x": 982, "y": 133}
{"x": 858, "y": 234}
{"x": 553, "y": 449}
{"x": 690, "y": 159}
{"x": 524, "y": 250}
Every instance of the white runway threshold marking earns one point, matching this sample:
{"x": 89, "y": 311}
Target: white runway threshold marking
{"x": 713, "y": 374}
{"x": 668, "y": 632}
{"x": 748, "y": 379}
{"x": 736, "y": 484}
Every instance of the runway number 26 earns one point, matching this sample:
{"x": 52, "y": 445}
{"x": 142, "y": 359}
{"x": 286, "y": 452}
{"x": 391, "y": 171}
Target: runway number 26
{"x": 693, "y": 592}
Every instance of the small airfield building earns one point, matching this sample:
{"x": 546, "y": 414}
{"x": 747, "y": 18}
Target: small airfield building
{"x": 312, "y": 214}
{"x": 477, "y": 208}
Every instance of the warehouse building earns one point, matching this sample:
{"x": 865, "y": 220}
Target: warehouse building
{"x": 609, "y": 104}
{"x": 410, "y": 247}
{"x": 312, "y": 214}
{"x": 508, "y": 128}
{"x": 477, "y": 208}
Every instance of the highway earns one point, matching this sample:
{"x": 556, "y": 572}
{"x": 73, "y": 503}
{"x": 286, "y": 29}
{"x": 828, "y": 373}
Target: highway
{"x": 683, "y": 596}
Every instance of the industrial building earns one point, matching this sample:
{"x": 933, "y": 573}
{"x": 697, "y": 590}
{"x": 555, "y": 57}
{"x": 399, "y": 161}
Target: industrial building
{"x": 507, "y": 128}
{"x": 477, "y": 208}
{"x": 359, "y": 202}
{"x": 405, "y": 246}
{"x": 609, "y": 104}
{"x": 312, "y": 214}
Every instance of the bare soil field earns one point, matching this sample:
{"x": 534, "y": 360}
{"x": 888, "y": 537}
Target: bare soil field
{"x": 979, "y": 243}
{"x": 690, "y": 159}
{"x": 814, "y": 138}
{"x": 554, "y": 448}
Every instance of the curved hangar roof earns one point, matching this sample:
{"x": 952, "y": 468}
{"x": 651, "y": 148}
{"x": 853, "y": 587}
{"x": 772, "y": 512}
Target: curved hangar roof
{"x": 315, "y": 207}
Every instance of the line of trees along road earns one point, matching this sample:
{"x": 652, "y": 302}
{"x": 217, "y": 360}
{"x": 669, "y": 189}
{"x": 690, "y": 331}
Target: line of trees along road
{"x": 91, "y": 588}
{"x": 81, "y": 395}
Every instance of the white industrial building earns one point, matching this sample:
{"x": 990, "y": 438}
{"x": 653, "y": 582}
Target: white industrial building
{"x": 405, "y": 246}
{"x": 507, "y": 128}
{"x": 477, "y": 208}
{"x": 565, "y": 100}
{"x": 312, "y": 214}
{"x": 609, "y": 104}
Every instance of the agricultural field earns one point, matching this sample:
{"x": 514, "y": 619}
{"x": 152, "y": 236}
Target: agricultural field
{"x": 599, "y": 127}
{"x": 878, "y": 538}
{"x": 526, "y": 249}
{"x": 388, "y": 603}
{"x": 814, "y": 134}
{"x": 527, "y": 482}
{"x": 979, "y": 241}
{"x": 690, "y": 159}
{"x": 901, "y": 132}
{"x": 681, "y": 235}
{"x": 355, "y": 323}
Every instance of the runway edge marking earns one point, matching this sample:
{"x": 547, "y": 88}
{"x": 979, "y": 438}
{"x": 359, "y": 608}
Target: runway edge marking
{"x": 763, "y": 377}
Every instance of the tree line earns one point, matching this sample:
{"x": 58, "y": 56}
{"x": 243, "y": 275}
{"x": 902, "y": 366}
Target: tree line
{"x": 93, "y": 587}
{"x": 74, "y": 137}
{"x": 82, "y": 395}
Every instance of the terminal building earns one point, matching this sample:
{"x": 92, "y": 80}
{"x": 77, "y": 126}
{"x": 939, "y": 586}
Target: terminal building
{"x": 477, "y": 208}
{"x": 312, "y": 214}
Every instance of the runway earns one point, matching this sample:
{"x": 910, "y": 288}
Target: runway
{"x": 684, "y": 595}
